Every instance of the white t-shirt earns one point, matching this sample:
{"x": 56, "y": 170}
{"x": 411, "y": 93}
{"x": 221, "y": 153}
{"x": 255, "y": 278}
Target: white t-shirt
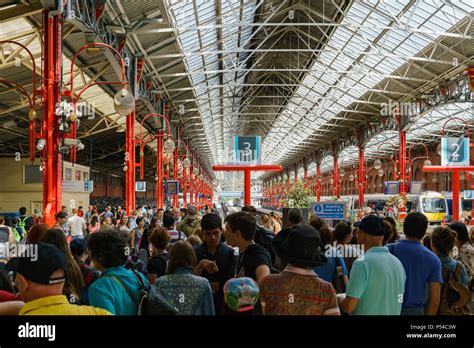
{"x": 76, "y": 223}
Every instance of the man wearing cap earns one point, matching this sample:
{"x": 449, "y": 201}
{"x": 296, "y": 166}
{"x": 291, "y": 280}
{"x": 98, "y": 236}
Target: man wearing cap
{"x": 298, "y": 290}
{"x": 40, "y": 281}
{"x": 377, "y": 280}
{"x": 190, "y": 223}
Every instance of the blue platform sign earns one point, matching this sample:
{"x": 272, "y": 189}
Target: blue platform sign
{"x": 468, "y": 194}
{"x": 247, "y": 149}
{"x": 329, "y": 210}
{"x": 454, "y": 151}
{"x": 171, "y": 187}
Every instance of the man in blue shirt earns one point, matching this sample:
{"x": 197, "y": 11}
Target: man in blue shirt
{"x": 377, "y": 280}
{"x": 422, "y": 267}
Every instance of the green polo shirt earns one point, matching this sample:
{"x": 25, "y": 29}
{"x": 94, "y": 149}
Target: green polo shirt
{"x": 377, "y": 279}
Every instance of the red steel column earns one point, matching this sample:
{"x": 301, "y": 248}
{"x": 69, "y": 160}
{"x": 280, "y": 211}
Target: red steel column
{"x": 191, "y": 174}
{"x": 455, "y": 195}
{"x": 130, "y": 159}
{"x": 361, "y": 177}
{"x": 175, "y": 175}
{"x": 403, "y": 160}
{"x": 336, "y": 178}
{"x": 159, "y": 170}
{"x": 247, "y": 187}
{"x": 52, "y": 172}
{"x": 184, "y": 187}
{"x": 318, "y": 185}
{"x": 305, "y": 177}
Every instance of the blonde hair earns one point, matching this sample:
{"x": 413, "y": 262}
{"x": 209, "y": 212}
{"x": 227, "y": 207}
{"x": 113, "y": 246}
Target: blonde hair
{"x": 194, "y": 240}
{"x": 266, "y": 221}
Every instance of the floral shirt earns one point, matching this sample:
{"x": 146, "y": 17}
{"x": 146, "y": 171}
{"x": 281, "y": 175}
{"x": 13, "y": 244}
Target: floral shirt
{"x": 466, "y": 256}
{"x": 297, "y": 291}
{"x": 190, "y": 294}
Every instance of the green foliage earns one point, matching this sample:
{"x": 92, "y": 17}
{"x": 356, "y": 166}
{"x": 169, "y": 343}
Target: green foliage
{"x": 297, "y": 197}
{"x": 397, "y": 200}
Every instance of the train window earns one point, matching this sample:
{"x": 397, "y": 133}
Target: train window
{"x": 434, "y": 205}
{"x": 466, "y": 204}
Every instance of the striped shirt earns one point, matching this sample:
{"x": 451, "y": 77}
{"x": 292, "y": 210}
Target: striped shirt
{"x": 297, "y": 291}
{"x": 176, "y": 235}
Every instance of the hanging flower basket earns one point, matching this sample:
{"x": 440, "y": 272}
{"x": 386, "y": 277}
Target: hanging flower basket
{"x": 297, "y": 197}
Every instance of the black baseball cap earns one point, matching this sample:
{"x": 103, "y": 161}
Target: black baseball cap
{"x": 78, "y": 246}
{"x": 38, "y": 267}
{"x": 373, "y": 225}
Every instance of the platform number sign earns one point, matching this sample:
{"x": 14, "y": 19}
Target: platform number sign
{"x": 454, "y": 151}
{"x": 247, "y": 149}
{"x": 468, "y": 194}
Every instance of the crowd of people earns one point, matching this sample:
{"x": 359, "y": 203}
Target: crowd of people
{"x": 190, "y": 262}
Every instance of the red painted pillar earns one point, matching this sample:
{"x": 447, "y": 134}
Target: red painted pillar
{"x": 361, "y": 177}
{"x": 318, "y": 185}
{"x": 52, "y": 170}
{"x": 455, "y": 195}
{"x": 191, "y": 188}
{"x": 159, "y": 170}
{"x": 130, "y": 162}
{"x": 184, "y": 187}
{"x": 336, "y": 178}
{"x": 175, "y": 175}
{"x": 247, "y": 186}
{"x": 402, "y": 166}
{"x": 305, "y": 177}
{"x": 403, "y": 160}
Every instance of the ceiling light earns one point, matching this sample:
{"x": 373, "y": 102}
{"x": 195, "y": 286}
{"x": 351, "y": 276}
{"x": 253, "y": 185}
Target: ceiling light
{"x": 41, "y": 144}
{"x": 124, "y": 101}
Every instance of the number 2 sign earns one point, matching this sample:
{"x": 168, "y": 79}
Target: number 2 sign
{"x": 454, "y": 152}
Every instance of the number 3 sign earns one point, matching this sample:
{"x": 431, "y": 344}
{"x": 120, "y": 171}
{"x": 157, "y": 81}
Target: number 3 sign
{"x": 455, "y": 151}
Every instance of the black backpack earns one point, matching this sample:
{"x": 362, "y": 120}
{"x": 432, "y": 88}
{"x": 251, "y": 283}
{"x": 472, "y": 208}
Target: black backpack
{"x": 264, "y": 238}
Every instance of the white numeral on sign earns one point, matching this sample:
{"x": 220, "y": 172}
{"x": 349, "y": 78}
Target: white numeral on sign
{"x": 72, "y": 203}
{"x": 455, "y": 155}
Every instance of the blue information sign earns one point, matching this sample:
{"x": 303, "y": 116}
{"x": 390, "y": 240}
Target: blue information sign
{"x": 247, "y": 149}
{"x": 329, "y": 210}
{"x": 454, "y": 151}
{"x": 468, "y": 194}
{"x": 171, "y": 187}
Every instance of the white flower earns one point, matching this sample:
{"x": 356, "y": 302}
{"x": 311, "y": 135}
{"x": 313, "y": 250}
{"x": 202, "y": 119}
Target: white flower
{"x": 291, "y": 202}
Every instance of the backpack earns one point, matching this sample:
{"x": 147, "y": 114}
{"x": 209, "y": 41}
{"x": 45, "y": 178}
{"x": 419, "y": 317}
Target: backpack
{"x": 135, "y": 263}
{"x": 22, "y": 225}
{"x": 338, "y": 280}
{"x": 455, "y": 296}
{"x": 264, "y": 238}
{"x": 150, "y": 302}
